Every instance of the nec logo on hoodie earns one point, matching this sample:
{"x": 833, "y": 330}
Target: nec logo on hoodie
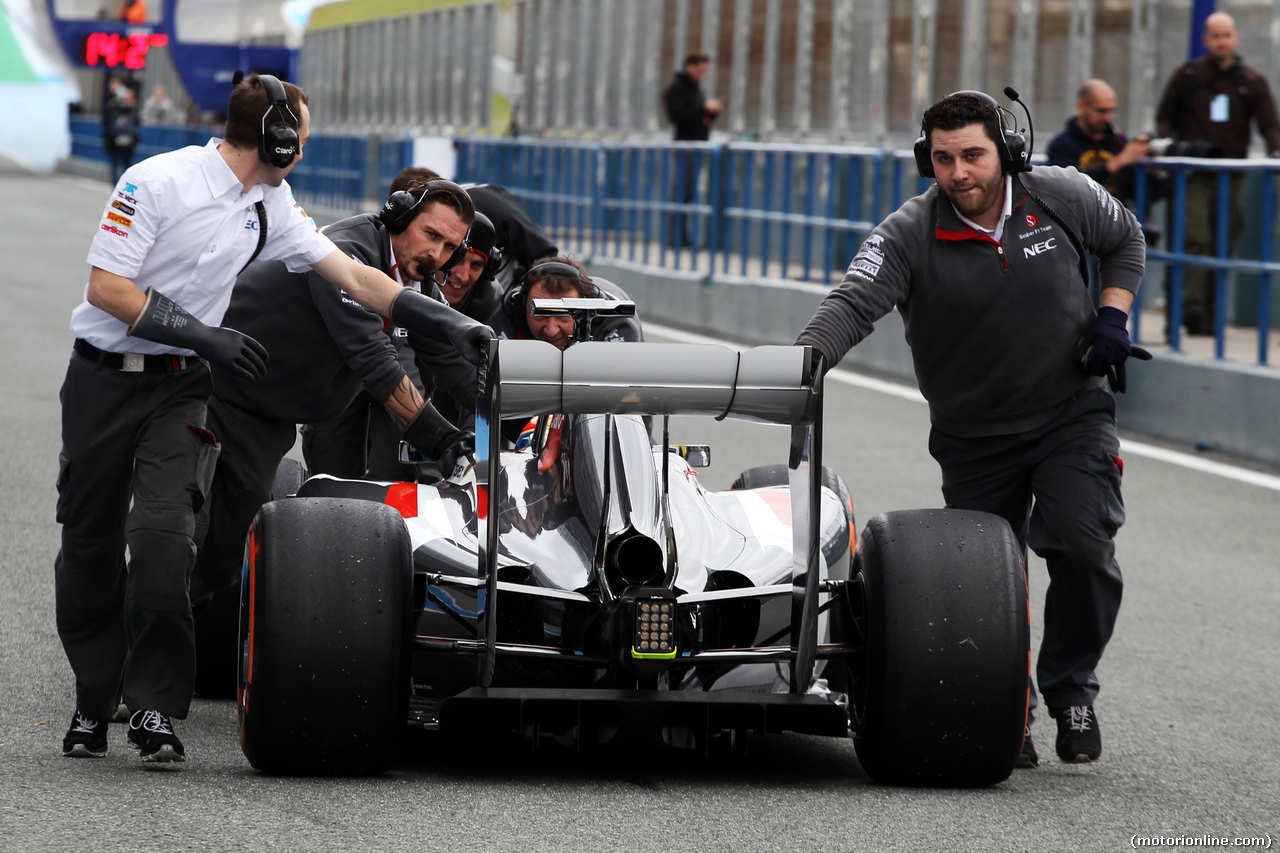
{"x": 1040, "y": 248}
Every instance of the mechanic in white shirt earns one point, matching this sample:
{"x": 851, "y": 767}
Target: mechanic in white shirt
{"x": 136, "y": 461}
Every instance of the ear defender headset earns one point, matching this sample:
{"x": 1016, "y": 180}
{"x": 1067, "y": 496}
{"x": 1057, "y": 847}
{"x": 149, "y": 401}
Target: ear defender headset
{"x": 402, "y": 206}
{"x": 1011, "y": 148}
{"x": 278, "y": 145}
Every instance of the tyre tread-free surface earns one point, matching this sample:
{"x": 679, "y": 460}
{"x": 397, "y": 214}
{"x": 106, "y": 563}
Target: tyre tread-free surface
{"x": 325, "y": 633}
{"x": 944, "y": 690}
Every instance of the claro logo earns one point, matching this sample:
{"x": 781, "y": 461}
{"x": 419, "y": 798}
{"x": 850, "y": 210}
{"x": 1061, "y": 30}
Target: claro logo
{"x": 1040, "y": 248}
{"x": 284, "y": 150}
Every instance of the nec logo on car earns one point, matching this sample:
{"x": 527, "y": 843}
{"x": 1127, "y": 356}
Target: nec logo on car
{"x": 1040, "y": 248}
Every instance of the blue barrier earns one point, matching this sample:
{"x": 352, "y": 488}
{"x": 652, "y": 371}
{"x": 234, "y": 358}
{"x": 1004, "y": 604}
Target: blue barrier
{"x": 1174, "y": 173}
{"x": 769, "y": 211}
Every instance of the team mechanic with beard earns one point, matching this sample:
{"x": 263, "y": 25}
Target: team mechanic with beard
{"x": 325, "y": 350}
{"x": 985, "y": 269}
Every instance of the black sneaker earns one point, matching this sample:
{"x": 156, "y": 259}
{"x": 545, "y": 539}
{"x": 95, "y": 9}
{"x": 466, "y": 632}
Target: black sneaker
{"x": 1079, "y": 740}
{"x": 86, "y": 738}
{"x": 152, "y": 734}
{"x": 1028, "y": 757}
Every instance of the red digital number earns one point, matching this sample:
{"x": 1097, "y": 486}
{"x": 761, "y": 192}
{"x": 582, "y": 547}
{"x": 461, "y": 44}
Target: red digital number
{"x": 113, "y": 50}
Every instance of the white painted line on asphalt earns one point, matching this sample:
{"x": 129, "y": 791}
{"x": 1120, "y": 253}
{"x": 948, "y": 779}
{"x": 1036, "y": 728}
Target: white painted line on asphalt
{"x": 1196, "y": 463}
{"x": 906, "y": 392}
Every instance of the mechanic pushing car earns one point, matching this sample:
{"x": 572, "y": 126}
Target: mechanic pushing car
{"x": 326, "y": 351}
{"x": 136, "y": 460}
{"x": 986, "y": 269}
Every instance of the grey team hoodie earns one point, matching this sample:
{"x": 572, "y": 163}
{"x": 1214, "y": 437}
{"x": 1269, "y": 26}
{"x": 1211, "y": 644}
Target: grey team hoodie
{"x": 992, "y": 326}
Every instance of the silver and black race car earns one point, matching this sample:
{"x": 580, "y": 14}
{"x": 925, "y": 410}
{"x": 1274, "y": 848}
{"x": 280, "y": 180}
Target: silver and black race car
{"x": 589, "y": 584}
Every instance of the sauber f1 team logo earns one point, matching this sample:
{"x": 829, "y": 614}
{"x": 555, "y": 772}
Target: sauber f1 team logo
{"x": 1032, "y": 221}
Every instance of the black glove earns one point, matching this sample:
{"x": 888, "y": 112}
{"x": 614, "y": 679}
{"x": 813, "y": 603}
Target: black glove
{"x": 165, "y": 322}
{"x": 1106, "y": 344}
{"x": 453, "y": 449}
{"x": 433, "y": 319}
{"x": 1105, "y": 347}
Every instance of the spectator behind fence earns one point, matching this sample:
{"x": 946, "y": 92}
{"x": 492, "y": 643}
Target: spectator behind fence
{"x": 1091, "y": 143}
{"x": 132, "y": 12}
{"x": 1213, "y": 99}
{"x": 120, "y": 128}
{"x": 160, "y": 109}
{"x": 692, "y": 114}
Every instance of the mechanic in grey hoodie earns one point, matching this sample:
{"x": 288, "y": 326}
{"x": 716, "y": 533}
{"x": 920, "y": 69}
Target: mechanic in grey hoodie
{"x": 986, "y": 269}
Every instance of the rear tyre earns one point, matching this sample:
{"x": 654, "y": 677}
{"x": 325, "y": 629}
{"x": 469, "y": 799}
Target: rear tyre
{"x": 325, "y": 632}
{"x": 941, "y": 696}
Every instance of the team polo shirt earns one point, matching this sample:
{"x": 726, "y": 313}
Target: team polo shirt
{"x": 181, "y": 222}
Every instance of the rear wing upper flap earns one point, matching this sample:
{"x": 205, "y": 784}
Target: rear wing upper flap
{"x": 769, "y": 384}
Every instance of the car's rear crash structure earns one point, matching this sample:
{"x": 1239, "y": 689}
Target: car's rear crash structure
{"x": 591, "y": 584}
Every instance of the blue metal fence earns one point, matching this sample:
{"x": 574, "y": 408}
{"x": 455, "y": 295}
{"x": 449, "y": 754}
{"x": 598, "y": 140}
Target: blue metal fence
{"x": 755, "y": 210}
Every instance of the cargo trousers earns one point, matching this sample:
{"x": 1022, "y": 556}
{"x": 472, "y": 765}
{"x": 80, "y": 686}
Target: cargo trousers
{"x": 1058, "y": 486}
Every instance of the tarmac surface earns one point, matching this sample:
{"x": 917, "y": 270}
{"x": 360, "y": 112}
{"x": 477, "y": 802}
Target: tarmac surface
{"x": 1190, "y": 708}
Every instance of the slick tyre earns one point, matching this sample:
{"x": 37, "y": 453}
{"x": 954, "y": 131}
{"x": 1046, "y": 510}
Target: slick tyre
{"x": 941, "y": 687}
{"x": 325, "y": 632}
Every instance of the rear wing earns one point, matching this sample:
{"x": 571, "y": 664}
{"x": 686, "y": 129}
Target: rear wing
{"x": 768, "y": 384}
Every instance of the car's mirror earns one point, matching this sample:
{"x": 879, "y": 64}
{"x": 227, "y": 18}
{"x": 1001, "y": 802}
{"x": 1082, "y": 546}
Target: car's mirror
{"x": 697, "y": 455}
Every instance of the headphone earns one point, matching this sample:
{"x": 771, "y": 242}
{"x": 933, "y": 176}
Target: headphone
{"x": 1011, "y": 148}
{"x": 513, "y": 300}
{"x": 400, "y": 209}
{"x": 278, "y": 145}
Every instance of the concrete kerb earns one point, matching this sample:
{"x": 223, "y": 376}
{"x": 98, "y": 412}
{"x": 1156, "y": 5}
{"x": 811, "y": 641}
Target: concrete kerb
{"x": 1234, "y": 409}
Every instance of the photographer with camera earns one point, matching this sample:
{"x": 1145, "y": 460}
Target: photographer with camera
{"x": 1213, "y": 99}
{"x": 1091, "y": 143}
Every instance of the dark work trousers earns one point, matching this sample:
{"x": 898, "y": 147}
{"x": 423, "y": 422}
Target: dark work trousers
{"x": 252, "y": 447}
{"x": 127, "y": 632}
{"x": 362, "y": 442}
{"x": 1059, "y": 488}
{"x": 683, "y": 226}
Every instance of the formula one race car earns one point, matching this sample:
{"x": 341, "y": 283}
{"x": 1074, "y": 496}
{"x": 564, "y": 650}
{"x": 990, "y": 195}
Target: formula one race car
{"x": 589, "y": 584}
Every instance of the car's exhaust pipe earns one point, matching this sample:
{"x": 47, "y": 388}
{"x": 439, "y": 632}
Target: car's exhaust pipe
{"x": 636, "y": 558}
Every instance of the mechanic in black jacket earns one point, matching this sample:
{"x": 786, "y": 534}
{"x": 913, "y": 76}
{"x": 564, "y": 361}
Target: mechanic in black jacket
{"x": 325, "y": 350}
{"x": 470, "y": 286}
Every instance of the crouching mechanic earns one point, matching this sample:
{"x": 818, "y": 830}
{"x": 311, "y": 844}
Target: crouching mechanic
{"x": 136, "y": 458}
{"x": 559, "y": 278}
{"x": 325, "y": 350}
{"x": 562, "y": 278}
{"x": 986, "y": 270}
